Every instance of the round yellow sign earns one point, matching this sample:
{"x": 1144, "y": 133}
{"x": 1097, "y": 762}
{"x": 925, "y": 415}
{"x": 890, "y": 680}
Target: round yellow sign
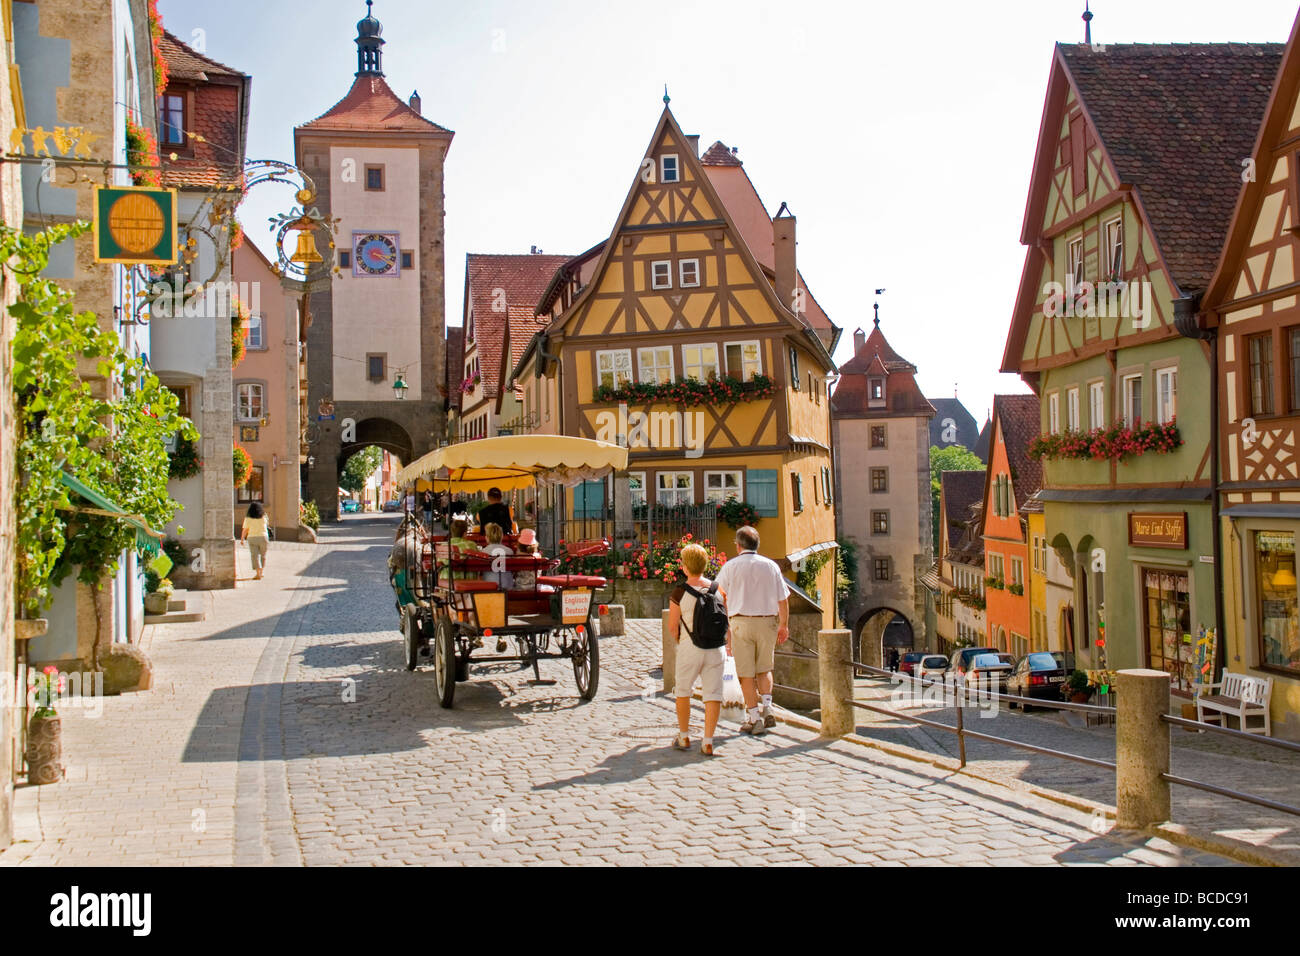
{"x": 136, "y": 223}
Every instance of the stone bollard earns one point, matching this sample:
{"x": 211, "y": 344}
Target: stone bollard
{"x": 835, "y": 669}
{"x": 670, "y": 655}
{"x": 611, "y": 620}
{"x": 1141, "y": 749}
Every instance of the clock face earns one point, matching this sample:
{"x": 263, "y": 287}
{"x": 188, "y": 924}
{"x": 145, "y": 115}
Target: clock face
{"x": 376, "y": 254}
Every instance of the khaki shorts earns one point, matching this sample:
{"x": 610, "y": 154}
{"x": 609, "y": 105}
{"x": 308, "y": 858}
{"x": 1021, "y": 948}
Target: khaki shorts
{"x": 753, "y": 644}
{"x": 699, "y": 664}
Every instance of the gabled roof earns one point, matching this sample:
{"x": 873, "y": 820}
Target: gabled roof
{"x": 968, "y": 434}
{"x": 1277, "y": 121}
{"x": 520, "y": 280}
{"x": 186, "y": 63}
{"x": 747, "y": 254}
{"x": 1176, "y": 120}
{"x": 959, "y": 491}
{"x": 719, "y": 155}
{"x": 1018, "y": 416}
{"x": 372, "y": 106}
{"x": 455, "y": 361}
{"x": 981, "y": 448}
{"x": 875, "y": 357}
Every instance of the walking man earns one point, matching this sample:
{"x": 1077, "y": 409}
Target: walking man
{"x": 758, "y": 608}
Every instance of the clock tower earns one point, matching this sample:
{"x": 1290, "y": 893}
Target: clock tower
{"x": 377, "y": 164}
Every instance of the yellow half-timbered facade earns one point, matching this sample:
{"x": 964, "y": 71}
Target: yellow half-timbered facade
{"x": 705, "y": 355}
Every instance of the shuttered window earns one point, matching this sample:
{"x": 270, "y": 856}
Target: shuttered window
{"x": 762, "y": 491}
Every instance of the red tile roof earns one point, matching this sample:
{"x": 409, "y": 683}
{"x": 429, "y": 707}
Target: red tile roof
{"x": 1177, "y": 120}
{"x": 958, "y": 491}
{"x": 371, "y": 105}
{"x": 523, "y": 278}
{"x": 186, "y": 63}
{"x": 1019, "y": 417}
{"x": 876, "y": 356}
{"x": 719, "y": 155}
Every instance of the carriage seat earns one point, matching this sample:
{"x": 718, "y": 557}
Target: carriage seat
{"x": 572, "y": 580}
{"x": 583, "y": 549}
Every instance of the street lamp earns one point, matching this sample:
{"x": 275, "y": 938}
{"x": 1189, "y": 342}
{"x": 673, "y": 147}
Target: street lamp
{"x": 399, "y": 387}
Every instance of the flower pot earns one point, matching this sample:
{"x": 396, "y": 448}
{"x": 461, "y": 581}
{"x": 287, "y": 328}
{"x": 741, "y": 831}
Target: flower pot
{"x": 1079, "y": 696}
{"x": 44, "y": 750}
{"x": 156, "y": 603}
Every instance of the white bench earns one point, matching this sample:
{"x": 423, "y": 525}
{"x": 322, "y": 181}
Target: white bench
{"x": 1241, "y": 696}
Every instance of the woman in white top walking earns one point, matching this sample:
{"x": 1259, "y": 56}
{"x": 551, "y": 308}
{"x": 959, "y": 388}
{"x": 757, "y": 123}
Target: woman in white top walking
{"x": 254, "y": 534}
{"x": 694, "y": 663}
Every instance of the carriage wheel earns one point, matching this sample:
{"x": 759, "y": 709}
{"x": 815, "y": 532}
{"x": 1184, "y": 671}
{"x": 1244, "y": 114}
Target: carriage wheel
{"x": 585, "y": 651}
{"x": 411, "y": 640}
{"x": 444, "y": 660}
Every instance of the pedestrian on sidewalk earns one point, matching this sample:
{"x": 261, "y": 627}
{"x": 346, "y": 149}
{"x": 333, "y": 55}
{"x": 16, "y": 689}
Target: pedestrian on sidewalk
{"x": 758, "y": 606}
{"x": 428, "y": 510}
{"x": 254, "y": 535}
{"x": 695, "y": 606}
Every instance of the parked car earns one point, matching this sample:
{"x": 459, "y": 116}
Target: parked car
{"x": 907, "y": 663}
{"x": 931, "y": 667}
{"x": 1038, "y": 675}
{"x": 990, "y": 672}
{"x": 1064, "y": 660}
{"x": 350, "y": 506}
{"x": 394, "y": 505}
{"x": 962, "y": 658}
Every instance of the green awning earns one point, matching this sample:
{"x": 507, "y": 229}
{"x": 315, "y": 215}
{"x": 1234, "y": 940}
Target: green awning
{"x": 146, "y": 538}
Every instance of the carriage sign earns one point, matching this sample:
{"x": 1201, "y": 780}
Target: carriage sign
{"x": 574, "y": 606}
{"x": 135, "y": 225}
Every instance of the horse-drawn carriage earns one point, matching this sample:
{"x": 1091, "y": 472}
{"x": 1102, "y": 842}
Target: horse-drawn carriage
{"x": 450, "y": 600}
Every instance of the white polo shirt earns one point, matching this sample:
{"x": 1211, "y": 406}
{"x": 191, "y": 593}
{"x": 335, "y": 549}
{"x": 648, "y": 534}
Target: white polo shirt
{"x": 754, "y": 585}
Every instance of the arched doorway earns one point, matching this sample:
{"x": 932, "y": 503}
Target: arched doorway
{"x": 878, "y": 631}
{"x": 332, "y": 451}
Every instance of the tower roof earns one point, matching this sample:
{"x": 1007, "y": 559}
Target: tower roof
{"x": 372, "y": 106}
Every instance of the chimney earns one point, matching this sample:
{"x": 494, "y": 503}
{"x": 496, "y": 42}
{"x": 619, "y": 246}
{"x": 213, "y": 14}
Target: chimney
{"x": 694, "y": 140}
{"x": 859, "y": 340}
{"x": 415, "y": 101}
{"x": 783, "y": 243}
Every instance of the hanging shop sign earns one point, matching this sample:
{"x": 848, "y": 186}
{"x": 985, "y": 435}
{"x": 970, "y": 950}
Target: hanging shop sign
{"x": 1147, "y": 530}
{"x": 135, "y": 225}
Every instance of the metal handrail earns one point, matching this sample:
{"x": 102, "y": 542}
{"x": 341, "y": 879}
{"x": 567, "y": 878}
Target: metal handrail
{"x": 1234, "y": 794}
{"x": 1229, "y": 732}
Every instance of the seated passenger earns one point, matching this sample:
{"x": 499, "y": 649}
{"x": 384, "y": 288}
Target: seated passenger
{"x": 527, "y": 546}
{"x": 496, "y": 549}
{"x": 457, "y": 540}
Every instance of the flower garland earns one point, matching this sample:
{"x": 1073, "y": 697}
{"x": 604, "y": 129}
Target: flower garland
{"x": 160, "y": 71}
{"x": 243, "y": 466}
{"x": 142, "y": 152}
{"x": 1117, "y": 443}
{"x": 239, "y": 314}
{"x": 689, "y": 391}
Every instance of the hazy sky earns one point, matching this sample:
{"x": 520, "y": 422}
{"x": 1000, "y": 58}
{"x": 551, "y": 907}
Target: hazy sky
{"x": 900, "y": 134}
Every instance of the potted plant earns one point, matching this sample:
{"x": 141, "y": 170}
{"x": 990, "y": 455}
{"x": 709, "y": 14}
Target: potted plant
{"x": 45, "y": 730}
{"x": 1077, "y": 689}
{"x": 155, "y": 602}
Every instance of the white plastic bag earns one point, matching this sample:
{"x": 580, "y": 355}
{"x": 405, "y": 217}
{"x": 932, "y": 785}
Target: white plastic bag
{"x": 731, "y": 695}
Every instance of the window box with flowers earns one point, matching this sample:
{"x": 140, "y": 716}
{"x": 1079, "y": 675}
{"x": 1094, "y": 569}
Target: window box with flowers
{"x": 689, "y": 391}
{"x": 736, "y": 513}
{"x": 1117, "y": 443}
{"x": 1016, "y": 588}
{"x": 992, "y": 581}
{"x": 469, "y": 384}
{"x": 142, "y": 154}
{"x": 970, "y": 598}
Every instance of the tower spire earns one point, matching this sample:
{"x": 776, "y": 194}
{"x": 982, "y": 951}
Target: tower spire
{"x": 369, "y": 42}
{"x": 1087, "y": 24}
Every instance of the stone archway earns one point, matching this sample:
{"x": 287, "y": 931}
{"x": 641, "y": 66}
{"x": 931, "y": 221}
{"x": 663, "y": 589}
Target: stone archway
{"x": 878, "y": 629}
{"x": 331, "y": 453}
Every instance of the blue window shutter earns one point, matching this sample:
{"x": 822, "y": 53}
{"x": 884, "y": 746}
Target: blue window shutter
{"x": 588, "y": 498}
{"x": 762, "y": 491}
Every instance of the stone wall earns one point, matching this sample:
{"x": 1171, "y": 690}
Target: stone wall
{"x": 796, "y": 672}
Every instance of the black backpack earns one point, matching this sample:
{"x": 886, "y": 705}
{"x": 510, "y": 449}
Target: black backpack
{"x": 709, "y": 628}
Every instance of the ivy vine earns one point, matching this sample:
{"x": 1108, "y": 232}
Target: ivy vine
{"x": 110, "y": 434}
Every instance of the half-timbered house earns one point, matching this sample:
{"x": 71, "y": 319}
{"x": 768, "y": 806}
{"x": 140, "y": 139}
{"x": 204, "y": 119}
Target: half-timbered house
{"x": 1136, "y": 171}
{"x": 689, "y": 335}
{"x": 1251, "y": 311}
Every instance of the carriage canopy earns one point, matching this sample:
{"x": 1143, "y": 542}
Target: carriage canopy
{"x": 515, "y": 461}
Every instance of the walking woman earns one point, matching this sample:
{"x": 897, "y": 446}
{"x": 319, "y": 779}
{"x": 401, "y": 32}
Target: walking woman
{"x": 255, "y": 534}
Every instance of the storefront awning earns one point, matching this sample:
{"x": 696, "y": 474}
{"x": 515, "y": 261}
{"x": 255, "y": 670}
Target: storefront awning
{"x": 146, "y": 538}
{"x": 931, "y": 580}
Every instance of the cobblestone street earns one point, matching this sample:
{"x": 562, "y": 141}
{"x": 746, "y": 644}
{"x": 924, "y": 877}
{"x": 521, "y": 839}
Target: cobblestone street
{"x": 246, "y": 752}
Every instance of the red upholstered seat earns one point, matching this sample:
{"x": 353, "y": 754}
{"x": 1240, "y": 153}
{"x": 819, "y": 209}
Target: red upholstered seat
{"x": 472, "y": 585}
{"x": 582, "y": 549}
{"x": 572, "y": 580}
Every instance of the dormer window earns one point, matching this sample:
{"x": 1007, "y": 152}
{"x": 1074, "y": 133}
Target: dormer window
{"x": 876, "y": 391}
{"x": 661, "y": 275}
{"x": 668, "y": 170}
